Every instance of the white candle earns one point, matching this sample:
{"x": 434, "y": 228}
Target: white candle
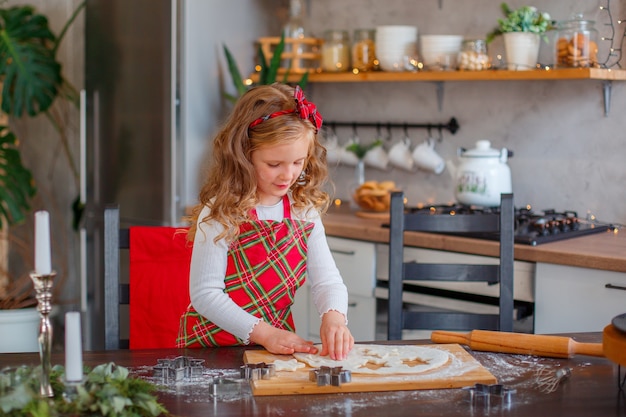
{"x": 73, "y": 347}
{"x": 42, "y": 243}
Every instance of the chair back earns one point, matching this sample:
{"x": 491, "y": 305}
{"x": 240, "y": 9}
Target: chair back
{"x": 156, "y": 287}
{"x": 402, "y": 272}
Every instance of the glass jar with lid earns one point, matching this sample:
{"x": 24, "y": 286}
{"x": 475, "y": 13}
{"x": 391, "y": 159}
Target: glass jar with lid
{"x": 363, "y": 50}
{"x": 473, "y": 55}
{"x": 336, "y": 51}
{"x": 576, "y": 44}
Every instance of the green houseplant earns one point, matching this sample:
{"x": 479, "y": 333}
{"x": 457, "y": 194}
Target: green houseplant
{"x": 268, "y": 73}
{"x": 525, "y": 19}
{"x": 522, "y": 29}
{"x": 32, "y": 83}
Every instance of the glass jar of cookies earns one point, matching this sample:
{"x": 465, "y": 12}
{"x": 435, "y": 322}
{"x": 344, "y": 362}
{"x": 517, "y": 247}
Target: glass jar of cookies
{"x": 576, "y": 44}
{"x": 363, "y": 50}
{"x": 473, "y": 55}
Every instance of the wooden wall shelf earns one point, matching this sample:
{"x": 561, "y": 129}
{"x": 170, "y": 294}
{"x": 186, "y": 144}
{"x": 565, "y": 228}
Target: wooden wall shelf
{"x": 607, "y": 76}
{"x": 489, "y": 75}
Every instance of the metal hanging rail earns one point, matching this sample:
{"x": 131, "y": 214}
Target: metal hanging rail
{"x": 452, "y": 125}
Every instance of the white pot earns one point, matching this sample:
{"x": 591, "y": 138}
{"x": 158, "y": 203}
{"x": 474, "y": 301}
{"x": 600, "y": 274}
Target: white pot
{"x": 482, "y": 174}
{"x": 522, "y": 50}
{"x": 20, "y": 330}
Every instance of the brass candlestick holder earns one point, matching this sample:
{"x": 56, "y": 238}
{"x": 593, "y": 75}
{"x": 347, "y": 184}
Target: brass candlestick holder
{"x": 43, "y": 288}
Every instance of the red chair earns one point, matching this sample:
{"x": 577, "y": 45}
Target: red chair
{"x": 157, "y": 292}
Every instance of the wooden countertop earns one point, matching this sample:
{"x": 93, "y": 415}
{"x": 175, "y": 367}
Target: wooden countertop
{"x": 590, "y": 390}
{"x": 606, "y": 251}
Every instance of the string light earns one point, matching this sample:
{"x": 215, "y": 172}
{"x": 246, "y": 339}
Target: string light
{"x": 615, "y": 49}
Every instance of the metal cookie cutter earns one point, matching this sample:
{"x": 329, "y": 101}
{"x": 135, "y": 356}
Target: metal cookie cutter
{"x": 259, "y": 370}
{"x": 178, "y": 369}
{"x": 326, "y": 375}
{"x": 221, "y": 386}
{"x": 490, "y": 395}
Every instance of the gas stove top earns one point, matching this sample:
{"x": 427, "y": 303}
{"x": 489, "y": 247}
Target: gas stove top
{"x": 531, "y": 228}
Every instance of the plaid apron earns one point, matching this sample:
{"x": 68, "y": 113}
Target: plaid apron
{"x": 266, "y": 265}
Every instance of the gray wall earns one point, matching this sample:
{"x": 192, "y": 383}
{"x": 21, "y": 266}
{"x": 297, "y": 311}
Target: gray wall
{"x": 208, "y": 25}
{"x": 568, "y": 155}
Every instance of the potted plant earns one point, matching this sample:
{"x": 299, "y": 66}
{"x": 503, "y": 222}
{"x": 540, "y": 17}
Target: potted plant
{"x": 268, "y": 72}
{"x": 31, "y": 81}
{"x": 521, "y": 29}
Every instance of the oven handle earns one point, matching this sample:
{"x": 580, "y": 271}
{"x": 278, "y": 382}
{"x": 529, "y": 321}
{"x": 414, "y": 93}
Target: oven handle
{"x": 615, "y": 287}
{"x": 343, "y": 252}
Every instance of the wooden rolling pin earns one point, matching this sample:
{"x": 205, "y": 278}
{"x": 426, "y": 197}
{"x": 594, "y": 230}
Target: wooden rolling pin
{"x": 521, "y": 343}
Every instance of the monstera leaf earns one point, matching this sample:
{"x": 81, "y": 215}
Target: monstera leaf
{"x": 16, "y": 182}
{"x": 28, "y": 68}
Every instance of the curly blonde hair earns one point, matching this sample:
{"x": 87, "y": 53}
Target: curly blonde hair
{"x": 230, "y": 190}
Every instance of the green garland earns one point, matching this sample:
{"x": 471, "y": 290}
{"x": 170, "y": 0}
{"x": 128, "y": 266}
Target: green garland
{"x": 107, "y": 391}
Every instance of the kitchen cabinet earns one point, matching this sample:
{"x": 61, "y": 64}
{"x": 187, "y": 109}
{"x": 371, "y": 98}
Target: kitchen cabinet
{"x": 356, "y": 260}
{"x": 576, "y": 299}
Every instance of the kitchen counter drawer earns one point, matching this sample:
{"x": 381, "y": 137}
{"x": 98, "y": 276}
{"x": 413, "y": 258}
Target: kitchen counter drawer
{"x": 356, "y": 261}
{"x": 577, "y": 299}
{"x": 523, "y": 284}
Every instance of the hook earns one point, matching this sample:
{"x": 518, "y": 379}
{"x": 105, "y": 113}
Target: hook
{"x": 355, "y": 135}
{"x": 429, "y": 127}
{"x": 332, "y": 126}
{"x": 406, "y": 130}
{"x": 379, "y": 134}
{"x": 440, "y": 138}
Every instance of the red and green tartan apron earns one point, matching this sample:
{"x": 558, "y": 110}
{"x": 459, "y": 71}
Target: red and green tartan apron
{"x": 266, "y": 265}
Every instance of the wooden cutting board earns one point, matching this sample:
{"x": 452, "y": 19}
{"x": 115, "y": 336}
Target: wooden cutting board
{"x": 461, "y": 371}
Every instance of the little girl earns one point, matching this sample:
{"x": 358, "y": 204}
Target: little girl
{"x": 257, "y": 233}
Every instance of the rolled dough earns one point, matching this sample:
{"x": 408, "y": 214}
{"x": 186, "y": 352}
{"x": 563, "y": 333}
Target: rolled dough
{"x": 290, "y": 365}
{"x": 382, "y": 359}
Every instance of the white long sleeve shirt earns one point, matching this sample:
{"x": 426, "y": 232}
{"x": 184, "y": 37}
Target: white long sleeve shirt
{"x": 208, "y": 270}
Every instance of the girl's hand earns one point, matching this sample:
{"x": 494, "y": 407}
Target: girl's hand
{"x": 337, "y": 341}
{"x": 278, "y": 341}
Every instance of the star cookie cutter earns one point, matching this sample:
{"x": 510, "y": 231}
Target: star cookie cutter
{"x": 490, "y": 395}
{"x": 178, "y": 369}
{"x": 255, "y": 371}
{"x": 326, "y": 375}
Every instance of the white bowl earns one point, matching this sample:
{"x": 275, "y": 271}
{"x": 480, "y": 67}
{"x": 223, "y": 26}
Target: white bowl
{"x": 440, "y": 51}
{"x": 396, "y": 29}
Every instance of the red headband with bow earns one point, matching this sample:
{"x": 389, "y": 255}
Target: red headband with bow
{"x": 304, "y": 109}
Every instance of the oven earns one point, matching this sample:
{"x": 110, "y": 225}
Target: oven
{"x": 475, "y": 297}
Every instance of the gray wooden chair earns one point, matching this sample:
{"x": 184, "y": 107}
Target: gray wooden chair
{"x": 400, "y": 272}
{"x": 156, "y": 291}
{"x": 116, "y": 293}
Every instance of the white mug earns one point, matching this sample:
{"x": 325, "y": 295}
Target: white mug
{"x": 377, "y": 157}
{"x": 400, "y": 155}
{"x": 427, "y": 158}
{"x": 333, "y": 150}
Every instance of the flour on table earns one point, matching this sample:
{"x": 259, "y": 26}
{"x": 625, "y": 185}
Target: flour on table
{"x": 291, "y": 365}
{"x": 382, "y": 359}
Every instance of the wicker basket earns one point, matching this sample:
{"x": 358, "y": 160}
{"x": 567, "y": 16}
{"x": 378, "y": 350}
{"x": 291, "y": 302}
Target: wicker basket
{"x": 299, "y": 56}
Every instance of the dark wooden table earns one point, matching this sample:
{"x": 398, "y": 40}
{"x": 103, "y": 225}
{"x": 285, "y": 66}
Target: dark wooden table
{"x": 591, "y": 390}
